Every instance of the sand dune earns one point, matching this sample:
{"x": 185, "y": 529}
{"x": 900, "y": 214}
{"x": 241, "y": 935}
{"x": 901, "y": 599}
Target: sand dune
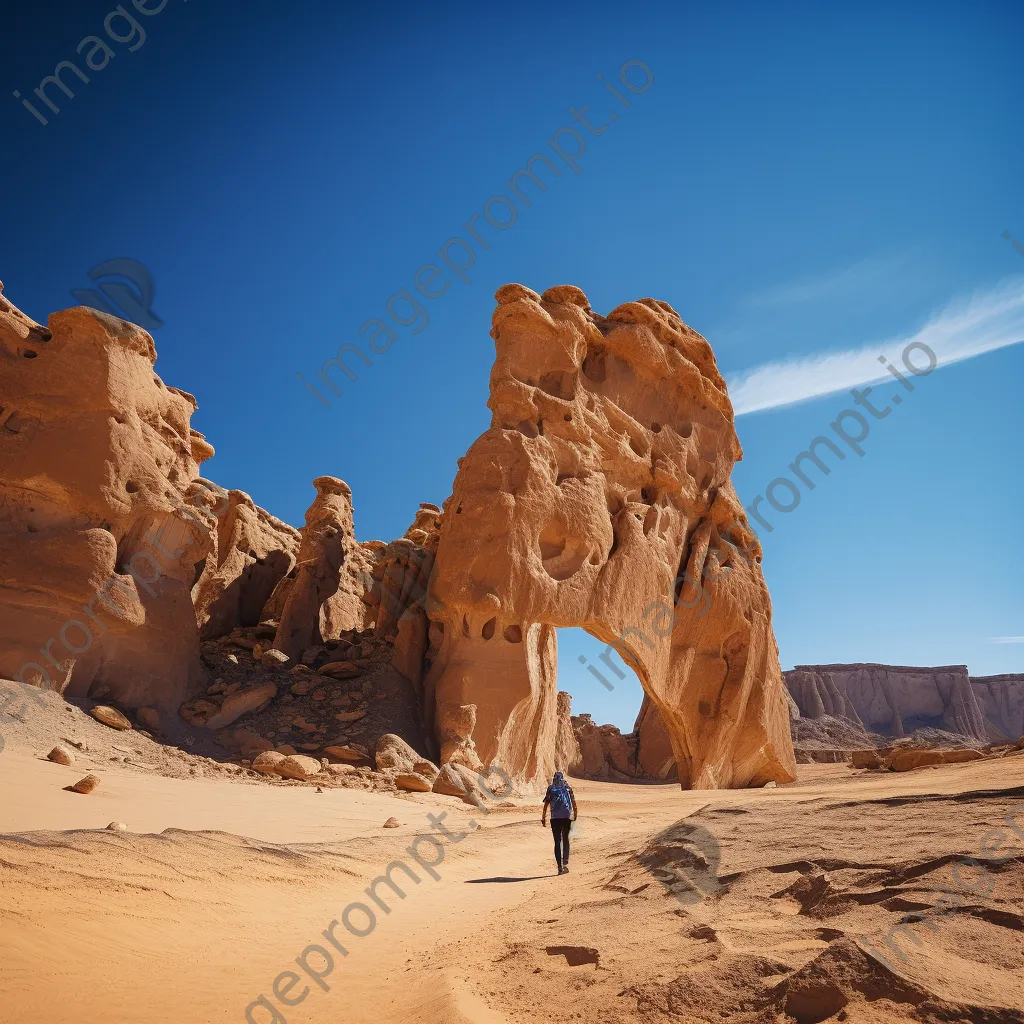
{"x": 757, "y": 905}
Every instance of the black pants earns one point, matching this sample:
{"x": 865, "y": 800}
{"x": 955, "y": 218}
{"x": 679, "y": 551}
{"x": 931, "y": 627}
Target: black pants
{"x": 560, "y": 830}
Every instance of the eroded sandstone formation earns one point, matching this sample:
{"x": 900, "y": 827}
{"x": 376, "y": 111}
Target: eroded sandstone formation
{"x": 325, "y": 594}
{"x": 99, "y": 536}
{"x": 253, "y": 552}
{"x": 1001, "y": 699}
{"x": 892, "y": 700}
{"x": 600, "y": 490}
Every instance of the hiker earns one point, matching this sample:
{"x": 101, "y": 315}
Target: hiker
{"x": 563, "y": 812}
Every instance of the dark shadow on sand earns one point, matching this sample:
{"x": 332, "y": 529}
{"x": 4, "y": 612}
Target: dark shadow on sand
{"x": 506, "y": 878}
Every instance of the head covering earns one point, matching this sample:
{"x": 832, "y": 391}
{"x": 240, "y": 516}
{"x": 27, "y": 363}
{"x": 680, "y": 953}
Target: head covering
{"x": 558, "y": 779}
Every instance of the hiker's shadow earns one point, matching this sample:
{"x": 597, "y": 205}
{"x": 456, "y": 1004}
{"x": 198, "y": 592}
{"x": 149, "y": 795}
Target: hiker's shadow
{"x": 507, "y": 878}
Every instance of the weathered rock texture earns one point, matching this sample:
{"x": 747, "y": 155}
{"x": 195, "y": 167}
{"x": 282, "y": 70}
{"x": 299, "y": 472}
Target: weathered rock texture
{"x": 896, "y": 700}
{"x": 254, "y": 552}
{"x": 599, "y": 490}
{"x": 1001, "y": 699}
{"x": 331, "y": 579}
{"x": 98, "y": 550}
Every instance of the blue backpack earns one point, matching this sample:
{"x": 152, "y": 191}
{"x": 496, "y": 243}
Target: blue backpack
{"x": 561, "y": 801}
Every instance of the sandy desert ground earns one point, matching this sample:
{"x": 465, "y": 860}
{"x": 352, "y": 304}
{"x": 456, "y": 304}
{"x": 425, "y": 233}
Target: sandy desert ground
{"x": 747, "y": 905}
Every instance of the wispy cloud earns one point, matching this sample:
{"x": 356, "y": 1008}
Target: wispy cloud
{"x": 1006, "y": 639}
{"x": 833, "y": 285}
{"x": 965, "y": 328}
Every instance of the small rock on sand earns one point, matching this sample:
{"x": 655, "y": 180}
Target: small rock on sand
{"x": 110, "y": 716}
{"x": 117, "y": 826}
{"x": 392, "y": 823}
{"x": 61, "y": 755}
{"x": 86, "y": 785}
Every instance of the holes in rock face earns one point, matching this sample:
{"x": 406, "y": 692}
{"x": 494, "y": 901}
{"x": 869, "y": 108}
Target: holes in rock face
{"x": 488, "y": 631}
{"x": 594, "y": 366}
{"x": 458, "y": 511}
{"x": 558, "y": 383}
{"x": 200, "y": 566}
{"x": 465, "y": 625}
{"x": 704, "y": 707}
{"x": 29, "y": 354}
{"x": 527, "y": 428}
{"x": 551, "y": 548}
{"x": 656, "y": 427}
{"x": 33, "y": 529}
{"x": 131, "y": 487}
{"x": 567, "y": 417}
{"x": 158, "y": 382}
{"x": 684, "y": 429}
{"x": 649, "y": 494}
{"x": 513, "y": 634}
{"x": 639, "y": 446}
{"x": 650, "y": 521}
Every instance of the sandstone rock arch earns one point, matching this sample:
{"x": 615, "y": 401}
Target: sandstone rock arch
{"x": 599, "y": 496}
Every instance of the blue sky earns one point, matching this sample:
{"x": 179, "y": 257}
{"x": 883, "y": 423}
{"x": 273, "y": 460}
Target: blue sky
{"x": 807, "y": 184}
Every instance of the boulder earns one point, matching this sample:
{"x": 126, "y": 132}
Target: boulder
{"x": 393, "y": 752}
{"x": 241, "y": 703}
{"x": 426, "y": 768}
{"x": 86, "y": 785}
{"x": 267, "y": 762}
{"x": 274, "y": 659}
{"x": 298, "y": 766}
{"x": 412, "y": 782}
{"x": 117, "y": 826}
{"x": 869, "y": 758}
{"x": 923, "y": 757}
{"x": 345, "y": 752}
{"x": 454, "y": 780}
{"x": 61, "y": 755}
{"x": 110, "y": 716}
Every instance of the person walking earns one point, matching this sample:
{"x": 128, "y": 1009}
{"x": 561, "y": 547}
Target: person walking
{"x": 562, "y": 801}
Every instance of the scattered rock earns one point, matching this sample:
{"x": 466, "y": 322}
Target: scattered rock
{"x": 769, "y": 785}
{"x": 349, "y": 716}
{"x": 242, "y": 703}
{"x": 286, "y": 748}
{"x": 393, "y": 752}
{"x": 274, "y": 658}
{"x": 346, "y": 752}
{"x": 254, "y": 747}
{"x": 117, "y": 826}
{"x": 392, "y": 823}
{"x": 267, "y": 762}
{"x": 298, "y": 766}
{"x": 411, "y": 782}
{"x": 61, "y": 755}
{"x": 86, "y": 785}
{"x": 339, "y": 670}
{"x": 110, "y": 716}
{"x": 311, "y": 653}
{"x": 453, "y": 780}
{"x": 906, "y": 760}
{"x": 869, "y": 758}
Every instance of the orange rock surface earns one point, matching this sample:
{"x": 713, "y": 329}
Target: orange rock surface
{"x": 600, "y": 489}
